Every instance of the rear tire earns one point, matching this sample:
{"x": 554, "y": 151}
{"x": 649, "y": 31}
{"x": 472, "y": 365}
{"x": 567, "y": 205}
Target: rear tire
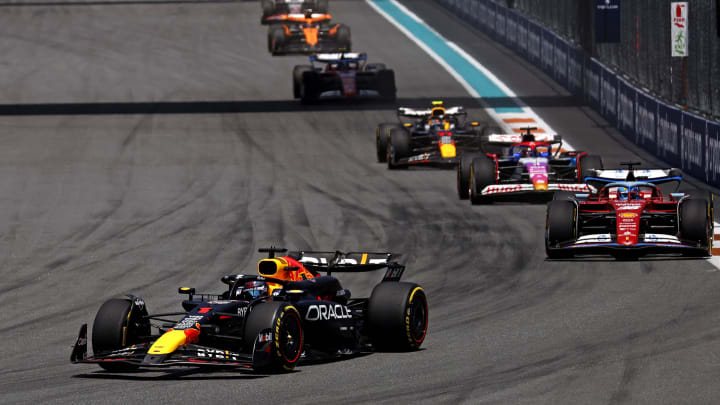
{"x": 276, "y": 38}
{"x": 397, "y": 316}
{"x": 399, "y": 147}
{"x": 268, "y": 7}
{"x": 696, "y": 223}
{"x": 482, "y": 174}
{"x": 386, "y": 84}
{"x": 463, "y": 174}
{"x": 559, "y": 227}
{"x": 382, "y": 134}
{"x": 298, "y": 72}
{"x": 309, "y": 87}
{"x": 587, "y": 164}
{"x": 321, "y": 6}
{"x": 343, "y": 38}
{"x": 286, "y": 344}
{"x": 107, "y": 331}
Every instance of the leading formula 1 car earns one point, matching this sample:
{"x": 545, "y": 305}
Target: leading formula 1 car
{"x": 272, "y": 8}
{"x": 630, "y": 216}
{"x": 437, "y": 136}
{"x": 268, "y": 322}
{"x": 529, "y": 166}
{"x": 304, "y": 34}
{"x": 342, "y": 74}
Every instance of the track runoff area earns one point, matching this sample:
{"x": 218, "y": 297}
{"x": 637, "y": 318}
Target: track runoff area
{"x": 479, "y": 82}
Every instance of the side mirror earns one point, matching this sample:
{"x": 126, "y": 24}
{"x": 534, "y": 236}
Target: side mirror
{"x": 581, "y": 196}
{"x": 677, "y": 196}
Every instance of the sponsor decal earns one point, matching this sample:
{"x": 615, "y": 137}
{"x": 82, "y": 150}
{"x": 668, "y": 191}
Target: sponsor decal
{"x": 322, "y": 260}
{"x": 188, "y": 322}
{"x": 691, "y": 145}
{"x": 211, "y": 353}
{"x": 424, "y": 156}
{"x": 627, "y": 215}
{"x": 219, "y": 302}
{"x": 265, "y": 337}
{"x": 138, "y": 302}
{"x": 242, "y": 311}
{"x": 323, "y": 312}
{"x": 629, "y": 207}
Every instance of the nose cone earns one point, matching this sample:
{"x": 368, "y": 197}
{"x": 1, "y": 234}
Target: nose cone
{"x": 540, "y": 184}
{"x": 173, "y": 339}
{"x": 447, "y": 151}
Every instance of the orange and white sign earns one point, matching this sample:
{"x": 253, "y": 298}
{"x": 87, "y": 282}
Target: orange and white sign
{"x": 679, "y": 28}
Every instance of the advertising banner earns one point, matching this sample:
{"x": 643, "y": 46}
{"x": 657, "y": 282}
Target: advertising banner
{"x": 669, "y": 130}
{"x": 534, "y": 39}
{"x": 626, "y": 109}
{"x": 679, "y": 28}
{"x": 561, "y": 61}
{"x": 547, "y": 54}
{"x": 500, "y": 21}
{"x": 646, "y": 121}
{"x": 607, "y": 20}
{"x": 592, "y": 83}
{"x": 511, "y": 29}
{"x": 712, "y": 154}
{"x": 692, "y": 143}
{"x": 576, "y": 60}
{"x": 608, "y": 95}
{"x": 522, "y": 37}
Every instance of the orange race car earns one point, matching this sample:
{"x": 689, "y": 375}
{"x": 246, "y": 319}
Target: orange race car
{"x": 306, "y": 34}
{"x": 272, "y": 8}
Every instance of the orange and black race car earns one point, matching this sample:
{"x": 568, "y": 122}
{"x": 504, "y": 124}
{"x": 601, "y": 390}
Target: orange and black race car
{"x": 273, "y": 8}
{"x": 293, "y": 34}
{"x": 267, "y": 322}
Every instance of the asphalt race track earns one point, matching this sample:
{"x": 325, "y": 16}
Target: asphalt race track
{"x": 149, "y": 145}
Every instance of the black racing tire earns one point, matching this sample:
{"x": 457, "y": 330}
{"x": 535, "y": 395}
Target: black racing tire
{"x": 486, "y": 131}
{"x": 482, "y": 174}
{"x": 286, "y": 345}
{"x": 563, "y": 195}
{"x": 397, "y": 317}
{"x": 268, "y": 7}
{"x": 375, "y": 67}
{"x": 559, "y": 227}
{"x": 343, "y": 38}
{"x": 321, "y": 6}
{"x": 309, "y": 87}
{"x": 382, "y": 134}
{"x": 298, "y": 72}
{"x": 386, "y": 84}
{"x": 587, "y": 164}
{"x": 399, "y": 147}
{"x": 463, "y": 174}
{"x": 276, "y": 38}
{"x": 107, "y": 331}
{"x": 695, "y": 222}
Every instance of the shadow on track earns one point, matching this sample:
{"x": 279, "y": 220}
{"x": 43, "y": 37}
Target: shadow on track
{"x": 235, "y": 107}
{"x": 185, "y": 375}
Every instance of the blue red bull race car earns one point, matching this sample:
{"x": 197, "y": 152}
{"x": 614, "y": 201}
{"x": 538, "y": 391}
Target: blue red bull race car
{"x": 630, "y": 216}
{"x": 268, "y": 322}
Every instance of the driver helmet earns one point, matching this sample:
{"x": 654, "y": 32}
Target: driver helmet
{"x": 622, "y": 193}
{"x": 254, "y": 289}
{"x": 634, "y": 193}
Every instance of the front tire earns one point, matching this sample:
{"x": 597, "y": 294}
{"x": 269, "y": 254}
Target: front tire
{"x": 482, "y": 174}
{"x": 276, "y": 38}
{"x": 463, "y": 174}
{"x": 696, "y": 223}
{"x": 397, "y": 316}
{"x": 559, "y": 227}
{"x": 382, "y": 134}
{"x": 587, "y": 164}
{"x": 399, "y": 147}
{"x": 281, "y": 352}
{"x": 115, "y": 328}
{"x": 298, "y": 72}
{"x": 386, "y": 84}
{"x": 343, "y": 38}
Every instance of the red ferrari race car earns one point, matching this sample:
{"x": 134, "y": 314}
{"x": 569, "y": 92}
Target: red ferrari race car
{"x": 342, "y": 75}
{"x": 303, "y": 34}
{"x": 528, "y": 164}
{"x": 630, "y": 216}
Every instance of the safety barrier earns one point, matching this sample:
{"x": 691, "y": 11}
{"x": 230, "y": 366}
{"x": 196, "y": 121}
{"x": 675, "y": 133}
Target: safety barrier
{"x": 677, "y": 137}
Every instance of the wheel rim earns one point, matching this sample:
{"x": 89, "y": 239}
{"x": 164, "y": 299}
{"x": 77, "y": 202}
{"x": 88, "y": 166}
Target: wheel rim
{"x": 418, "y": 318}
{"x": 291, "y": 337}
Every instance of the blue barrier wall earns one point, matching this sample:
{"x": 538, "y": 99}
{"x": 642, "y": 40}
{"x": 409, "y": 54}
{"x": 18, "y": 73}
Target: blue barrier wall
{"x": 684, "y": 140}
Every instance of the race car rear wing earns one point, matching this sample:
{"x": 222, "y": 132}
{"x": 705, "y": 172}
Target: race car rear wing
{"x": 653, "y": 176}
{"x": 351, "y": 262}
{"x": 508, "y": 139}
{"x": 337, "y": 57}
{"x": 411, "y": 112}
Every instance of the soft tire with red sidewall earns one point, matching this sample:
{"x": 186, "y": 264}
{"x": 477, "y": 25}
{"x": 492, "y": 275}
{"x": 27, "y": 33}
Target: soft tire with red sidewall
{"x": 272, "y": 315}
